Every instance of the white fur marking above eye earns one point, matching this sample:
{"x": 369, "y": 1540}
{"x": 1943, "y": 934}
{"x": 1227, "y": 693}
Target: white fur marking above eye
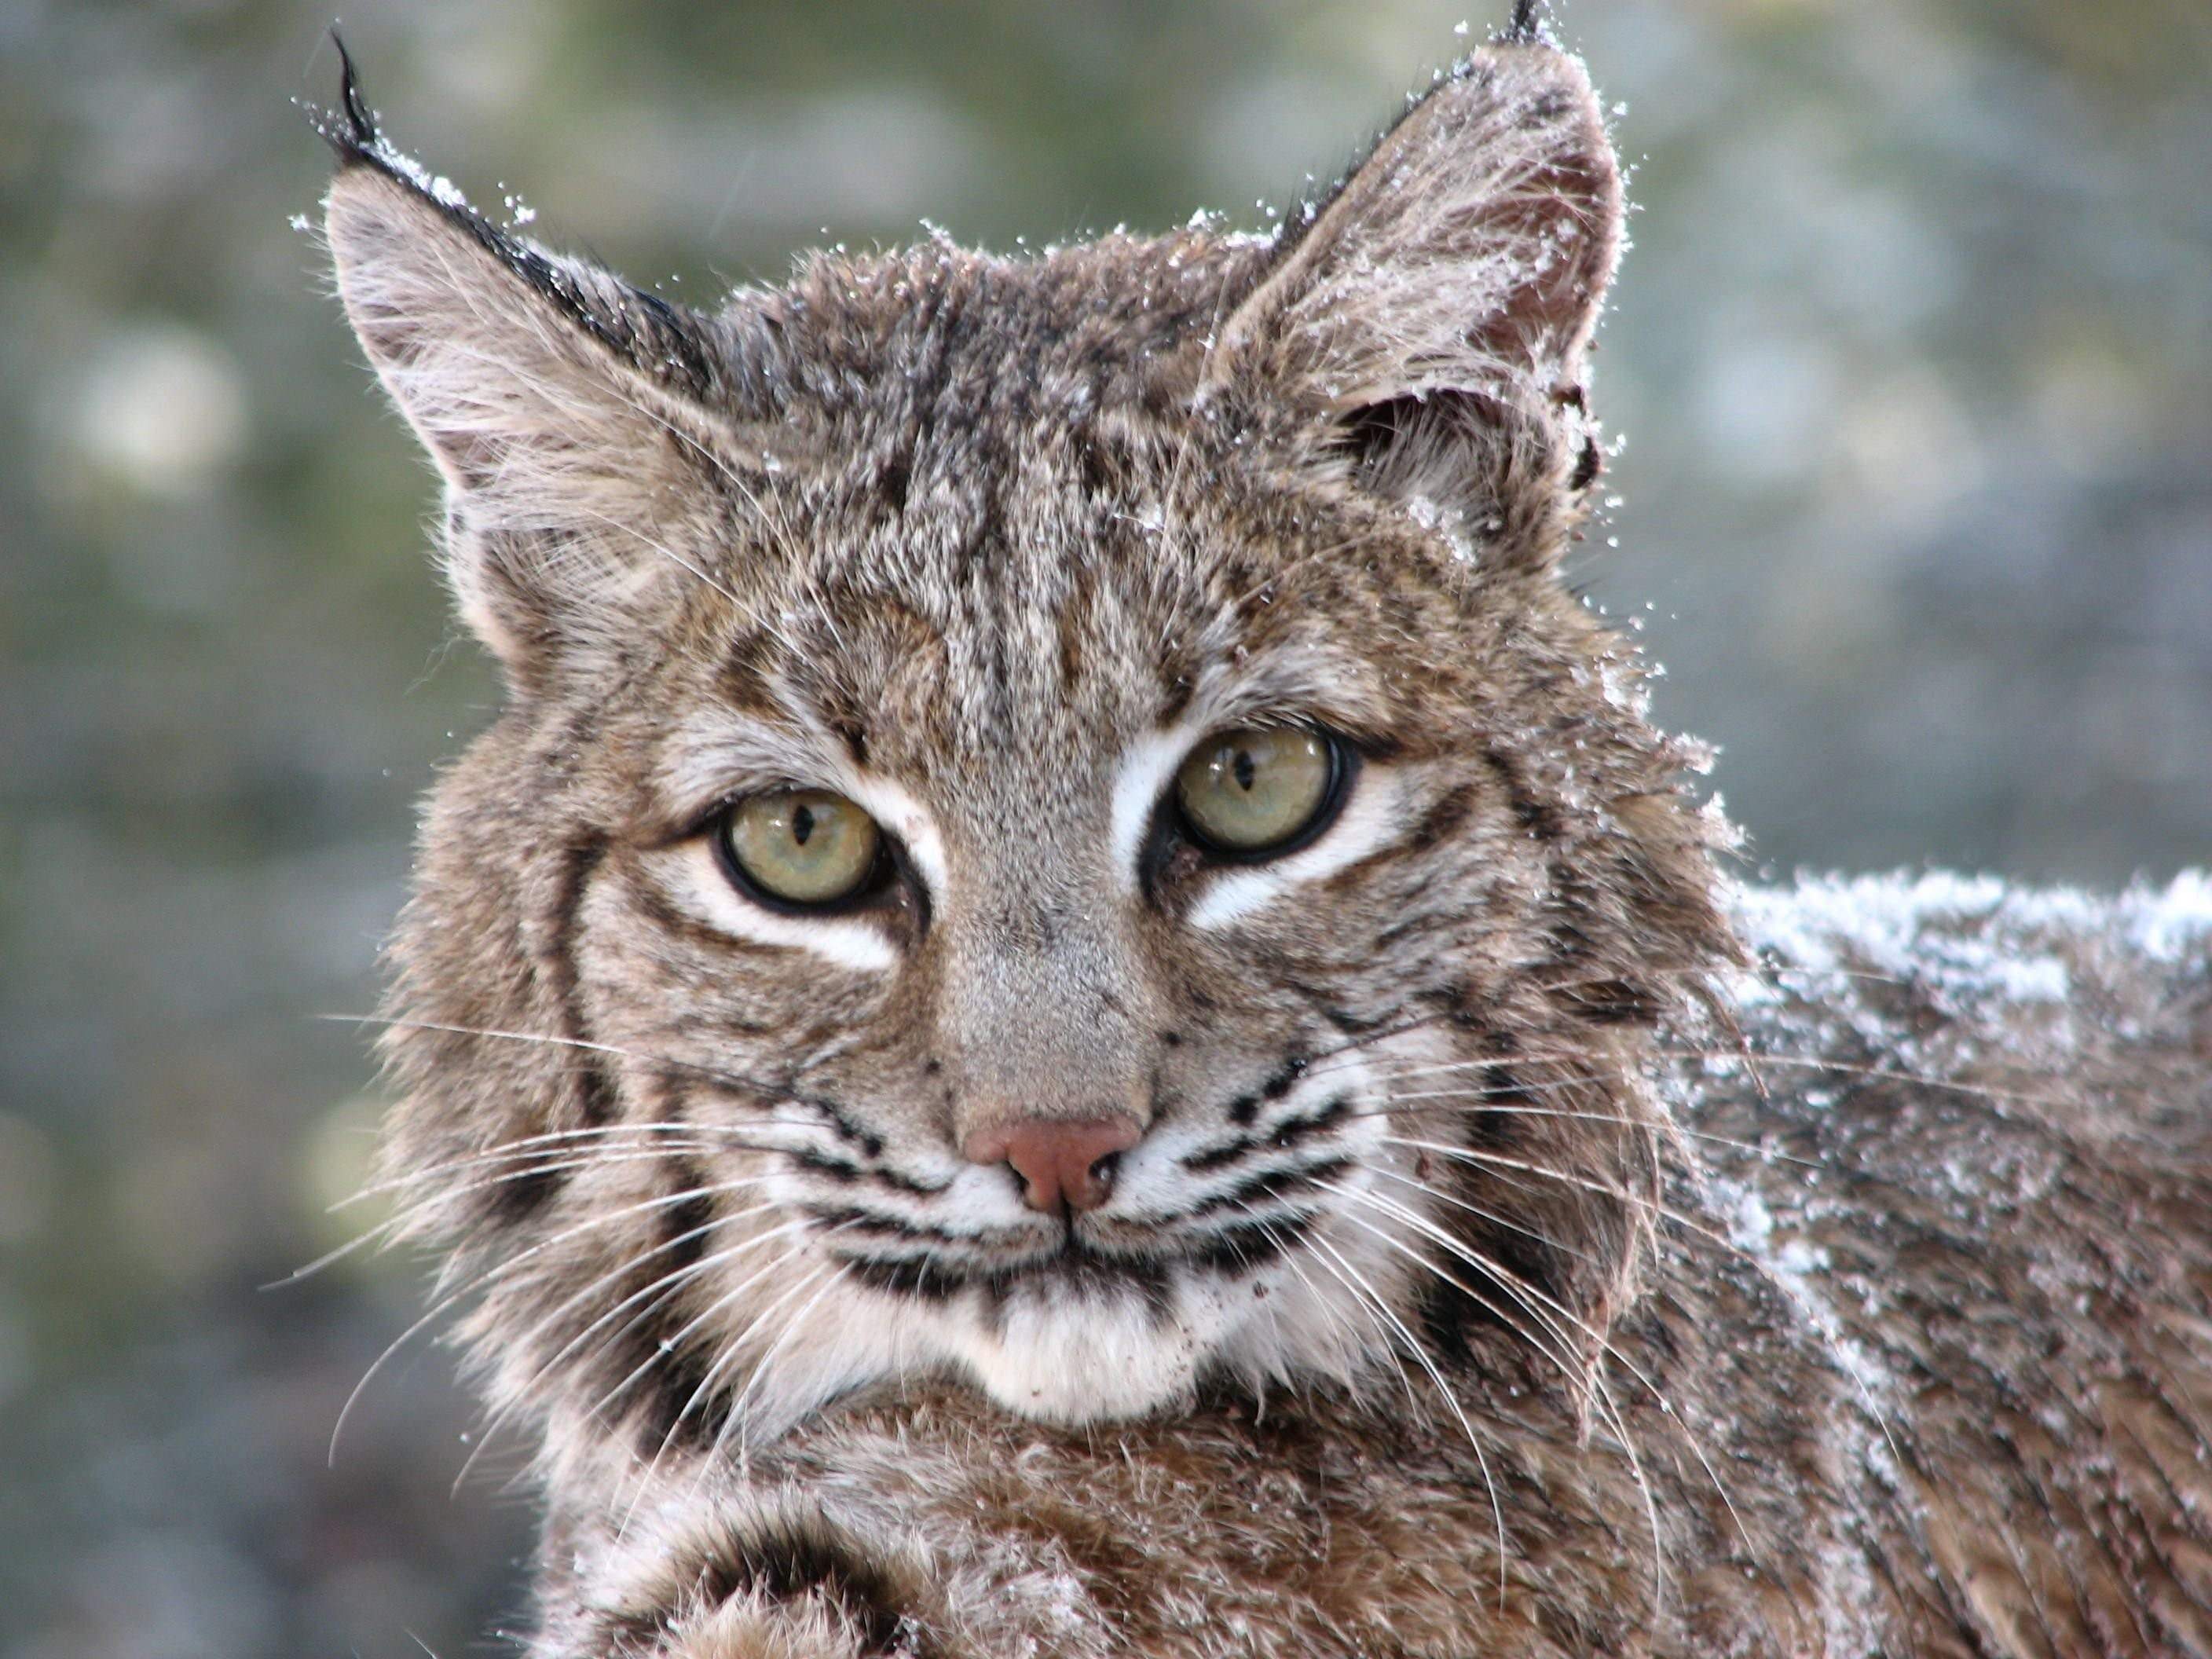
{"x": 1143, "y": 779}
{"x": 847, "y": 941}
{"x": 1369, "y": 821}
{"x": 895, "y": 810}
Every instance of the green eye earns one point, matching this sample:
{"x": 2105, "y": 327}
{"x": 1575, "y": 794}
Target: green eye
{"x": 803, "y": 847}
{"x": 1256, "y": 790}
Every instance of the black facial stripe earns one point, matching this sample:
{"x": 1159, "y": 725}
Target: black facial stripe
{"x": 659, "y": 1371}
{"x": 1270, "y": 1183}
{"x": 917, "y": 1276}
{"x": 1281, "y": 1136}
{"x": 527, "y": 1186}
{"x": 704, "y": 937}
{"x": 1215, "y": 1157}
{"x": 684, "y": 1225}
{"x": 900, "y": 1182}
{"x": 1502, "y": 1089}
{"x": 935, "y": 1278}
{"x": 884, "y": 1223}
{"x": 872, "y": 1145}
{"x": 1246, "y": 1247}
{"x": 754, "y": 1096}
{"x": 520, "y": 1192}
{"x": 1231, "y": 1251}
{"x": 660, "y": 1374}
{"x": 1296, "y": 1131}
{"x": 1536, "y": 815}
{"x": 822, "y": 1163}
{"x": 596, "y": 1100}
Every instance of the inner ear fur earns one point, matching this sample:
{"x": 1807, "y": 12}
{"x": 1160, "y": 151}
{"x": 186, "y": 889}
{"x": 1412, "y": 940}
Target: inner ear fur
{"x": 576, "y": 420}
{"x": 1436, "y": 310}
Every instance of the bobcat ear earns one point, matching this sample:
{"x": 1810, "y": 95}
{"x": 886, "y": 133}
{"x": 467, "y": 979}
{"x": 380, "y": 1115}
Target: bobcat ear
{"x": 563, "y": 407}
{"x": 1437, "y": 307}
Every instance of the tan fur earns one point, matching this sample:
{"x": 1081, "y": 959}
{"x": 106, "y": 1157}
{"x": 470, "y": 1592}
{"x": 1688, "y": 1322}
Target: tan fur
{"x": 1511, "y": 1265}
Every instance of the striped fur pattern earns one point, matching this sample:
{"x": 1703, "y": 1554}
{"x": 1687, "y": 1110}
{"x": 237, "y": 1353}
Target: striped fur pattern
{"x": 1397, "y": 1333}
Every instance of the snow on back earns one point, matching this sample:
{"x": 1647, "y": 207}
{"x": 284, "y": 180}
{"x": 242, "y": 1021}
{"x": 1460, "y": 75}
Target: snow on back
{"x": 1967, "y": 936}
{"x": 1963, "y": 940}
{"x": 1919, "y": 976}
{"x": 1797, "y": 1268}
{"x": 2170, "y": 924}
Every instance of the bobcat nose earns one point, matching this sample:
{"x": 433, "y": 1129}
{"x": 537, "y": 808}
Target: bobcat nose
{"x": 1063, "y": 1166}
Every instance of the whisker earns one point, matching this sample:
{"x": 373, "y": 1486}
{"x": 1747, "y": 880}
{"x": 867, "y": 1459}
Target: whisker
{"x": 1536, "y": 1301}
{"x": 1390, "y": 1348}
{"x": 1878, "y": 1073}
{"x": 1660, "y": 1399}
{"x": 1472, "y": 1155}
{"x": 1285, "y": 1254}
{"x": 499, "y": 1271}
{"x": 1473, "y": 1258}
{"x": 1663, "y": 1212}
{"x": 1477, "y": 1210}
{"x": 693, "y": 1325}
{"x": 645, "y": 1478}
{"x": 792, "y": 1325}
{"x": 1591, "y": 1386}
{"x": 1451, "y": 1400}
{"x": 387, "y": 1232}
{"x": 1475, "y": 1101}
{"x": 730, "y": 1351}
{"x": 614, "y": 1147}
{"x": 654, "y": 1294}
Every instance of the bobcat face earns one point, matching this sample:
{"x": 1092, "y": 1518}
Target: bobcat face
{"x": 1042, "y": 935}
{"x": 1056, "y": 821}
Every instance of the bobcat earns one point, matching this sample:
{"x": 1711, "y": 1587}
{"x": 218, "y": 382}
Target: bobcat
{"x": 1073, "y": 1011}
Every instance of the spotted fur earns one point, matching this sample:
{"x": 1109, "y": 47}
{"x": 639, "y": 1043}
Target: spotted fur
{"x": 1439, "y": 1310}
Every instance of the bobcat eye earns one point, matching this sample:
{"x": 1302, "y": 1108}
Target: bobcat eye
{"x": 801, "y": 847}
{"x": 1258, "y": 790}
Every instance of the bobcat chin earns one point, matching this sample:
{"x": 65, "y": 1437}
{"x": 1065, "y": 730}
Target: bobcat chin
{"x": 1071, "y": 1009}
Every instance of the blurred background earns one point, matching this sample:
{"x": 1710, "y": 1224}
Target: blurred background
{"x": 1913, "y": 359}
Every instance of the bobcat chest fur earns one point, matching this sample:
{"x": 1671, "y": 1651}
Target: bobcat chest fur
{"x": 1072, "y": 1010}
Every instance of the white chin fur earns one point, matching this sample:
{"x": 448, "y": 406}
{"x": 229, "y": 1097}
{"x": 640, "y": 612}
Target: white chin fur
{"x": 1083, "y": 1357}
{"x": 1077, "y": 1356}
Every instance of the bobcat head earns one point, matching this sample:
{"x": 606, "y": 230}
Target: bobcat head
{"x": 1054, "y": 822}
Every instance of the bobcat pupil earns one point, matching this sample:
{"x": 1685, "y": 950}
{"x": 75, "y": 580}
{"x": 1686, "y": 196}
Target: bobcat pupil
{"x": 1241, "y": 766}
{"x": 802, "y": 825}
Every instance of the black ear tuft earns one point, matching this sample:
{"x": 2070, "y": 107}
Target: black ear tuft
{"x": 642, "y": 329}
{"x": 1525, "y": 28}
{"x": 361, "y": 125}
{"x": 351, "y": 129}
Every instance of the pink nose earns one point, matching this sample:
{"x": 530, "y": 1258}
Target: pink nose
{"x": 1063, "y": 1166}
